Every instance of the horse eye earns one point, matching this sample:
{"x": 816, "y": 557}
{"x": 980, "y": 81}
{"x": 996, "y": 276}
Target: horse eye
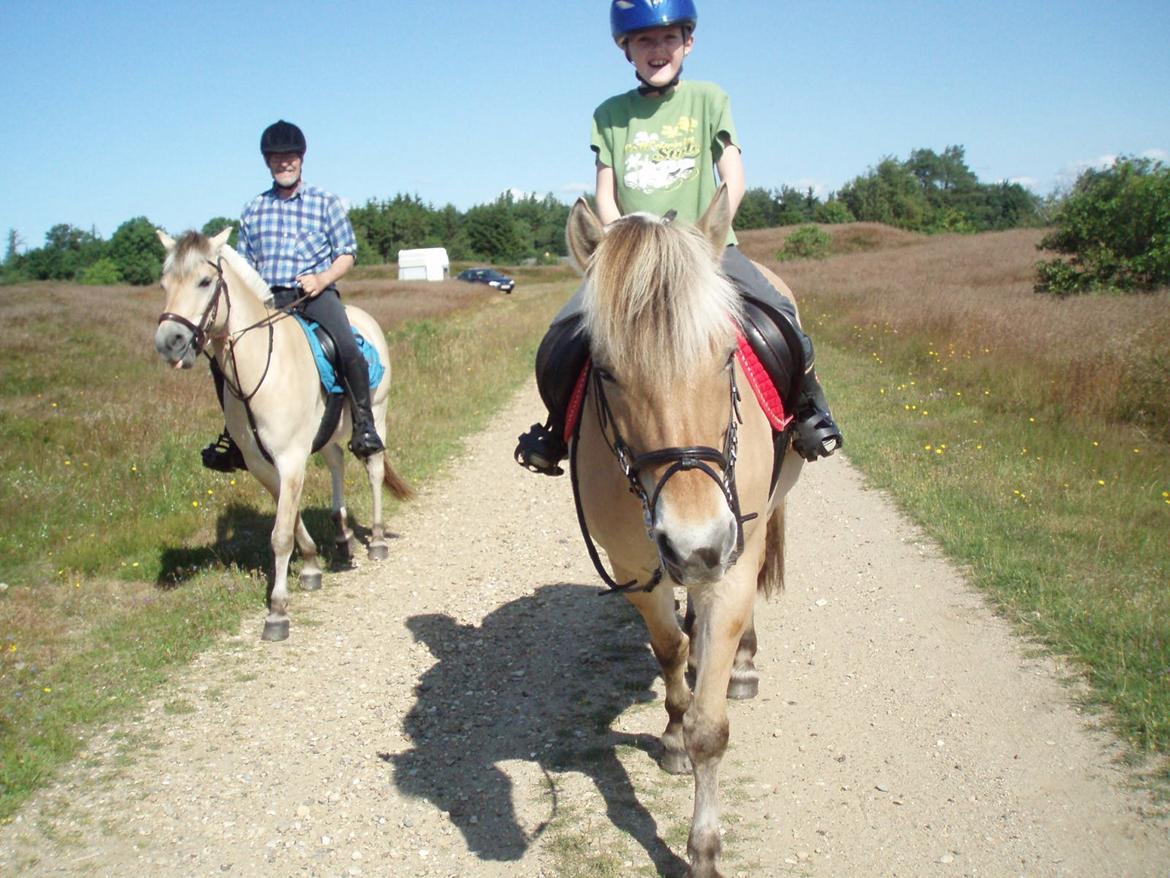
{"x": 206, "y": 282}
{"x": 605, "y": 375}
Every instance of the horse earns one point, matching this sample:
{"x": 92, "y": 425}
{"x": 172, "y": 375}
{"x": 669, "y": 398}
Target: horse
{"x": 665, "y": 454}
{"x": 215, "y": 304}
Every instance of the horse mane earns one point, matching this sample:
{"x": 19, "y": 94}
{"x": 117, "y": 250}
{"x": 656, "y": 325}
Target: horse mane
{"x": 192, "y": 252}
{"x": 656, "y": 304}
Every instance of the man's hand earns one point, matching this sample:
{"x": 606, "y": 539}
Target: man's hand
{"x": 312, "y": 284}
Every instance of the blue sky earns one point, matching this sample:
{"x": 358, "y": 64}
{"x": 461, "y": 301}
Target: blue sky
{"x": 120, "y": 109}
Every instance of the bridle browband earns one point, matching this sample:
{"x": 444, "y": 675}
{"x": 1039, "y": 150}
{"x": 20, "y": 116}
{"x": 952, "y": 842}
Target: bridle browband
{"x": 680, "y": 459}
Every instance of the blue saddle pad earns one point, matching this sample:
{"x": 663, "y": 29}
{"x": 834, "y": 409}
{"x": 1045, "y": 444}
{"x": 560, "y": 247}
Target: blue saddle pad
{"x": 328, "y": 374}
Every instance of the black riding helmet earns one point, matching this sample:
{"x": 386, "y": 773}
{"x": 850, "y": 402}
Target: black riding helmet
{"x": 282, "y": 137}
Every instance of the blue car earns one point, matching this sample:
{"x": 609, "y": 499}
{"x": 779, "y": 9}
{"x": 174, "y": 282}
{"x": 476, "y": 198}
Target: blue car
{"x": 488, "y": 276}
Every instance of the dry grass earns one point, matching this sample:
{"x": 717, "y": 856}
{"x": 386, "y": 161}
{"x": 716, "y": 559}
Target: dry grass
{"x": 1095, "y": 358}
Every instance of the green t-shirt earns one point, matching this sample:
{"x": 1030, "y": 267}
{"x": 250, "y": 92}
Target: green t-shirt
{"x": 663, "y": 151}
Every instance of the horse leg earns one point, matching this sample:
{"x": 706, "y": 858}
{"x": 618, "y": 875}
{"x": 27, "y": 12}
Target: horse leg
{"x": 310, "y": 566}
{"x": 288, "y": 498}
{"x": 344, "y": 542}
{"x": 379, "y": 548}
{"x": 721, "y": 616}
{"x": 670, "y": 647}
{"x": 745, "y": 679}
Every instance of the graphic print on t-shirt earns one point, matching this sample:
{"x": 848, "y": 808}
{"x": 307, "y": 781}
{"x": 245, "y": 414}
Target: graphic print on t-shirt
{"x": 662, "y": 161}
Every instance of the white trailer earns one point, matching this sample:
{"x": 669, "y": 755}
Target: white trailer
{"x": 428, "y": 263}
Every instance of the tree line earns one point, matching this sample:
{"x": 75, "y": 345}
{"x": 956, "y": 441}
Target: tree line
{"x": 927, "y": 192}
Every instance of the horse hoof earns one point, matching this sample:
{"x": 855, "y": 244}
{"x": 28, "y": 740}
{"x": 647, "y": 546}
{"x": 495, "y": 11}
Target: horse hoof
{"x": 742, "y": 690}
{"x": 378, "y": 552}
{"x": 275, "y": 630}
{"x": 343, "y": 551}
{"x": 675, "y": 763}
{"x": 310, "y": 582}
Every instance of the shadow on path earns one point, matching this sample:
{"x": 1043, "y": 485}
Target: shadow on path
{"x": 541, "y": 680}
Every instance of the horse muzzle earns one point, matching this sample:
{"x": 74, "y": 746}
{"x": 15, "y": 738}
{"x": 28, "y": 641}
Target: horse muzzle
{"x": 175, "y": 343}
{"x": 699, "y": 552}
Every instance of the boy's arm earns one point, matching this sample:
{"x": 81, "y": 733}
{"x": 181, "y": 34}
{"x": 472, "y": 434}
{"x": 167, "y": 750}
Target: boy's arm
{"x": 730, "y": 166}
{"x": 606, "y": 195}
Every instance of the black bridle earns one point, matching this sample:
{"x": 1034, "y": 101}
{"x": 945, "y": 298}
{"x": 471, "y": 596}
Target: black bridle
{"x": 680, "y": 459}
{"x": 200, "y": 337}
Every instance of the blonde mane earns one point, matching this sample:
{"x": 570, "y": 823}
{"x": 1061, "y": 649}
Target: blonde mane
{"x": 656, "y": 304}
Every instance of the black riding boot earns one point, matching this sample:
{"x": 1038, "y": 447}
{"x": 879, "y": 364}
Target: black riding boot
{"x": 559, "y": 361}
{"x": 222, "y": 455}
{"x": 365, "y": 440}
{"x": 815, "y": 433}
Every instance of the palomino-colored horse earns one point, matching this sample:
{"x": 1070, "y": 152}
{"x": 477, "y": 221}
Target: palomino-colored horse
{"x": 667, "y": 454}
{"x": 214, "y": 299}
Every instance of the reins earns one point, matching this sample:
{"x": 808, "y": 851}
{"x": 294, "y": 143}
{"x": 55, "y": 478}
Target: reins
{"x": 681, "y": 459}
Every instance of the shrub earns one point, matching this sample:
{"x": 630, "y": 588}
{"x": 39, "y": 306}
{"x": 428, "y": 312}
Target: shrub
{"x": 102, "y": 272}
{"x": 807, "y": 242}
{"x": 1115, "y": 228}
{"x": 833, "y": 212}
{"x": 136, "y": 251}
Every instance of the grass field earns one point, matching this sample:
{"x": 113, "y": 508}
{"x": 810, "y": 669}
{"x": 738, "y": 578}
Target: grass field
{"x": 1028, "y": 436}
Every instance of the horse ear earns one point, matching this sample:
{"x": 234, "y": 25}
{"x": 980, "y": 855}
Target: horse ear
{"x": 715, "y": 224}
{"x": 219, "y": 240}
{"x": 167, "y": 241}
{"x": 583, "y": 233}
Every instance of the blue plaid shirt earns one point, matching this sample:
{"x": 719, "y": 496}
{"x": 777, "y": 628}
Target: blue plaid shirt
{"x": 301, "y": 235}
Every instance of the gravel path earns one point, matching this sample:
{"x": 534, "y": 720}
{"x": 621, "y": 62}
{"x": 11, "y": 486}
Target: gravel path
{"x": 472, "y": 708}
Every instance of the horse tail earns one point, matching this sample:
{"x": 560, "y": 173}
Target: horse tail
{"x": 397, "y": 485}
{"x": 771, "y": 577}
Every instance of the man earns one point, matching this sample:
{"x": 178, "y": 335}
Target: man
{"x": 300, "y": 240}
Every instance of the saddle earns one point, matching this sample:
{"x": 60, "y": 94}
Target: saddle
{"x": 328, "y": 366}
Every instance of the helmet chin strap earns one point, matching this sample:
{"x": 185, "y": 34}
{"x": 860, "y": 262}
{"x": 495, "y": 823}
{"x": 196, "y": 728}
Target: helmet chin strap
{"x": 646, "y": 88}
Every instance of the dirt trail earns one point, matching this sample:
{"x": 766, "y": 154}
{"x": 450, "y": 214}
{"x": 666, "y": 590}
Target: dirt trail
{"x": 472, "y": 708}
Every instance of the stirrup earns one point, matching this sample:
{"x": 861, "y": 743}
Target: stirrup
{"x": 540, "y": 450}
{"x": 366, "y": 442}
{"x": 816, "y": 434}
{"x": 223, "y": 455}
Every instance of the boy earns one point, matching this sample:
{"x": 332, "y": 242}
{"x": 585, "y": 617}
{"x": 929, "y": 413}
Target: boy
{"x": 656, "y": 147}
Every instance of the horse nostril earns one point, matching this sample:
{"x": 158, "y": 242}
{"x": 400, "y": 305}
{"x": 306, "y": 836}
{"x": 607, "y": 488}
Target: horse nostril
{"x": 667, "y": 551}
{"x": 710, "y": 558}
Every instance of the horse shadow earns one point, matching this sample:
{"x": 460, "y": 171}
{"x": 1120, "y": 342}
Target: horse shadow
{"x": 243, "y": 540}
{"x": 488, "y": 700}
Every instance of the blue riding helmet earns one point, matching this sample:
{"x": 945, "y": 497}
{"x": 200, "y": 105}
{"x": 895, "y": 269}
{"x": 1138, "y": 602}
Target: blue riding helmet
{"x": 628, "y": 16}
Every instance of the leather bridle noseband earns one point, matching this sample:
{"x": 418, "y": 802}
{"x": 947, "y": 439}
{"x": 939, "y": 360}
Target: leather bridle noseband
{"x": 681, "y": 459}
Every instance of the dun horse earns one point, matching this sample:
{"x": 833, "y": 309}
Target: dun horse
{"x": 215, "y": 300}
{"x": 672, "y": 469}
